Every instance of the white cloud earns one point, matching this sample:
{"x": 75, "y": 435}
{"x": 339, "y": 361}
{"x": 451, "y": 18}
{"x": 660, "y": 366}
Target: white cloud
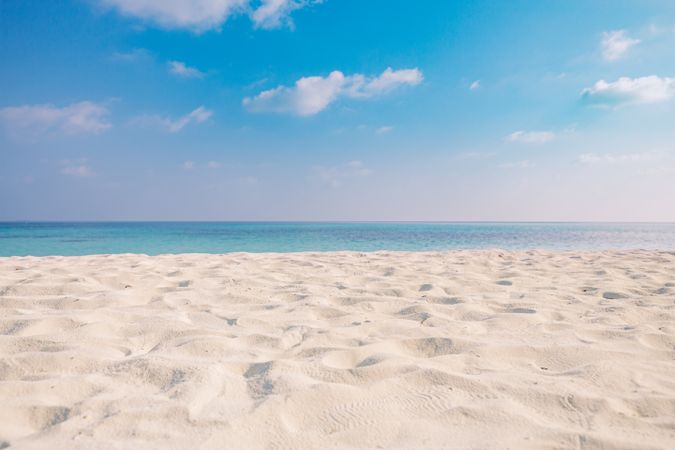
{"x": 196, "y": 15}
{"x": 77, "y": 168}
{"x": 475, "y": 85}
{"x": 203, "y": 15}
{"x": 524, "y": 164}
{"x": 384, "y": 130}
{"x": 360, "y": 86}
{"x": 622, "y": 158}
{"x": 531, "y": 137}
{"x": 214, "y": 165}
{"x": 615, "y": 44}
{"x": 35, "y": 120}
{"x": 189, "y": 165}
{"x": 335, "y": 176}
{"x": 179, "y": 69}
{"x": 198, "y": 115}
{"x": 625, "y": 91}
{"x": 276, "y": 13}
{"x": 311, "y": 95}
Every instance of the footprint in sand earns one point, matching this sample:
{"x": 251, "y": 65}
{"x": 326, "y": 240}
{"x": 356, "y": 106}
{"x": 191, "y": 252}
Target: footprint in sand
{"x": 521, "y": 311}
{"x": 430, "y": 347}
{"x": 371, "y": 361}
{"x": 446, "y": 301}
{"x": 609, "y": 295}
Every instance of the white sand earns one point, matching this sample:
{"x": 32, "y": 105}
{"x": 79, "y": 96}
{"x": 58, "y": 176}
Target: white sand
{"x": 471, "y": 349}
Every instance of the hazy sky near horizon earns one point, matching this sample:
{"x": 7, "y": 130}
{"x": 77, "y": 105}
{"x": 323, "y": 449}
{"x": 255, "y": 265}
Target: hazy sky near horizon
{"x": 337, "y": 110}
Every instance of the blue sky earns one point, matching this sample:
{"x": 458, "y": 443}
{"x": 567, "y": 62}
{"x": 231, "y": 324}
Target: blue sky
{"x": 337, "y": 110}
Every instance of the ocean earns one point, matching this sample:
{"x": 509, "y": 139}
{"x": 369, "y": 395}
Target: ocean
{"x": 153, "y": 238}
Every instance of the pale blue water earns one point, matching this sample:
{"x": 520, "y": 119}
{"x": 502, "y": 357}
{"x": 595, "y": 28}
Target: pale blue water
{"x": 154, "y": 238}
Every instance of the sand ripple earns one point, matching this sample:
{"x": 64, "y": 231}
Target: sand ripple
{"x": 467, "y": 349}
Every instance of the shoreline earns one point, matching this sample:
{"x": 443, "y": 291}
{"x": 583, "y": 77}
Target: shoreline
{"x": 364, "y": 252}
{"x": 461, "y": 348}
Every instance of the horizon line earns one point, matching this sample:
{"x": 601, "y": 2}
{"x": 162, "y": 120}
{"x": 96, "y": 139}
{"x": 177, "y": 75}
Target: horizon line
{"x": 351, "y": 221}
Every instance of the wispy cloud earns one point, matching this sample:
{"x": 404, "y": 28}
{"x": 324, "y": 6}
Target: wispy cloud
{"x": 531, "y": 137}
{"x": 626, "y": 91}
{"x": 616, "y": 43}
{"x": 384, "y": 130}
{"x": 276, "y": 13}
{"x": 198, "y": 115}
{"x": 180, "y": 69}
{"x": 335, "y": 176}
{"x": 188, "y": 165}
{"x": 555, "y": 76}
{"x": 35, "y": 120}
{"x": 524, "y": 164}
{"x": 475, "y": 85}
{"x": 311, "y": 95}
{"x": 133, "y": 55}
{"x": 214, "y": 165}
{"x": 622, "y": 158}
{"x": 203, "y": 15}
{"x": 475, "y": 155}
{"x": 76, "y": 168}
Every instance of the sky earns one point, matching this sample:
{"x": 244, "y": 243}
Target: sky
{"x": 396, "y": 110}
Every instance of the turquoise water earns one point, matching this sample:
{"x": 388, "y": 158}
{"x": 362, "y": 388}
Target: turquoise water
{"x": 221, "y": 237}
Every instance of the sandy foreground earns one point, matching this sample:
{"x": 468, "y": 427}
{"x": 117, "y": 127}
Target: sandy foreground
{"x": 469, "y": 349}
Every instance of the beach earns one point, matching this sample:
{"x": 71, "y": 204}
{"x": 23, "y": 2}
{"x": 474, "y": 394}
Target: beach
{"x": 459, "y": 349}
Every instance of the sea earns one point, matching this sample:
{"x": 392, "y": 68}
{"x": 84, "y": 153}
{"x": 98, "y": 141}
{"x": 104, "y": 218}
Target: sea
{"x": 154, "y": 238}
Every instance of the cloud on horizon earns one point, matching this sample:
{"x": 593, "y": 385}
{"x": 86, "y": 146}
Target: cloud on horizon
{"x": 311, "y": 95}
{"x": 531, "y": 137}
{"x": 32, "y": 121}
{"x": 629, "y": 91}
{"x": 524, "y": 164}
{"x": 76, "y": 168}
{"x": 621, "y": 158}
{"x": 335, "y": 176}
{"x": 198, "y": 115}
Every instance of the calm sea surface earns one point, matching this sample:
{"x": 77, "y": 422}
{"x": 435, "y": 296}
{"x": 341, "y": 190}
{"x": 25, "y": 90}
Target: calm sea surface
{"x": 154, "y": 238}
